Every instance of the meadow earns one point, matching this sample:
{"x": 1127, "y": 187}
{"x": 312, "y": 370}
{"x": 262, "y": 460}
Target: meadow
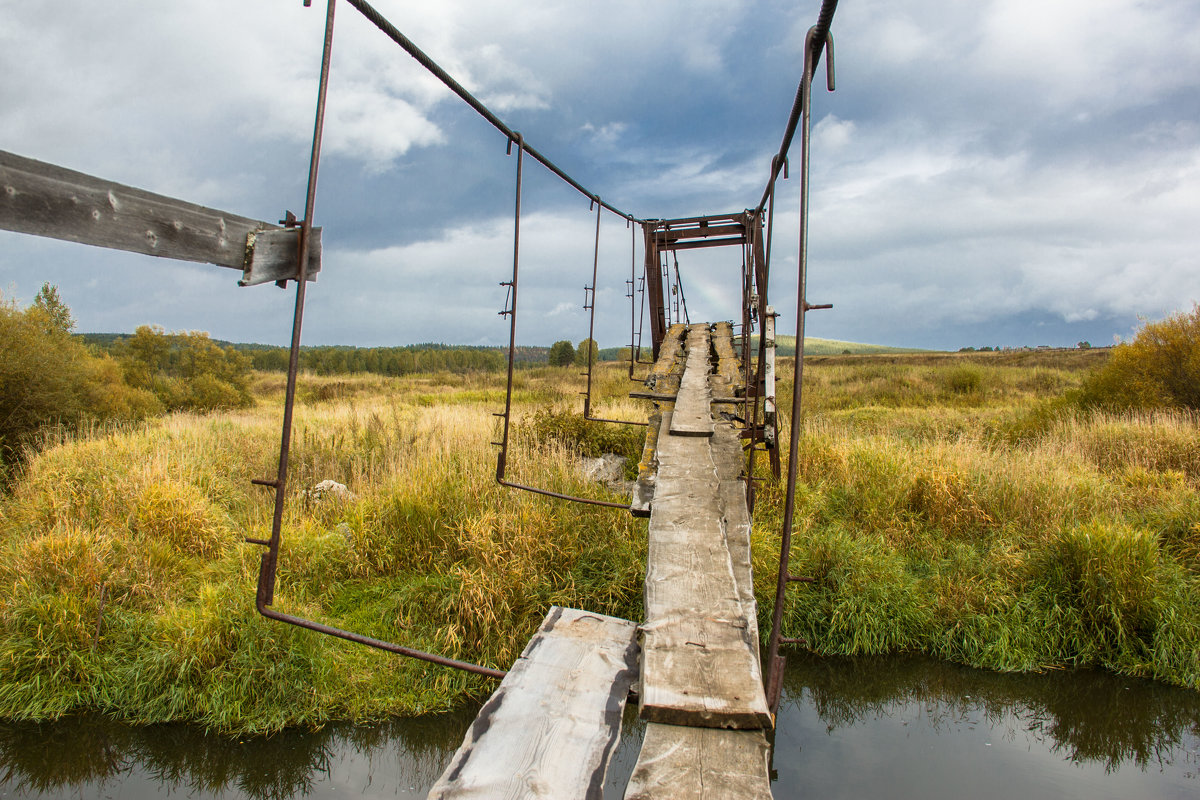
{"x": 952, "y": 504}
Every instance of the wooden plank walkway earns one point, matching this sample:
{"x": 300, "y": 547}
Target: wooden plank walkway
{"x": 663, "y": 383}
{"x": 693, "y": 405}
{"x": 699, "y": 644}
{"x": 551, "y": 727}
{"x": 678, "y": 762}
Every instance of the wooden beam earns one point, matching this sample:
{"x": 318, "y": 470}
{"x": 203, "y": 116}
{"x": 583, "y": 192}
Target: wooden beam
{"x": 47, "y": 200}
{"x": 699, "y": 644}
{"x": 693, "y": 404}
{"x": 738, "y": 217}
{"x": 682, "y": 762}
{"x": 697, "y": 244}
{"x": 672, "y": 234}
{"x": 551, "y": 728}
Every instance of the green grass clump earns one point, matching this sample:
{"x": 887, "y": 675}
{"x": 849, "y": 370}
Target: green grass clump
{"x": 1018, "y": 533}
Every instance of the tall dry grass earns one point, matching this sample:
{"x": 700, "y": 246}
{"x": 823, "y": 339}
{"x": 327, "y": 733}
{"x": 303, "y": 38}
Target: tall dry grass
{"x": 125, "y": 584}
{"x": 960, "y": 528}
{"x": 955, "y": 507}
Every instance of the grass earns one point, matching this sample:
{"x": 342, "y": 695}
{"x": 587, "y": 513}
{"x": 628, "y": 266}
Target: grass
{"x": 951, "y": 505}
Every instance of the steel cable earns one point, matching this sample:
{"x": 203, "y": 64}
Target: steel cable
{"x": 432, "y": 66}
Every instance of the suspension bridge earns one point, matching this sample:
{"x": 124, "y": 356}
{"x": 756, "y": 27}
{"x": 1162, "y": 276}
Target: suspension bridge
{"x": 693, "y": 664}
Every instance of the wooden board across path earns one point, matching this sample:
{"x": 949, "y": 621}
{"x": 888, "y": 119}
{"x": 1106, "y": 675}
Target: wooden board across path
{"x": 682, "y": 763}
{"x": 551, "y": 727}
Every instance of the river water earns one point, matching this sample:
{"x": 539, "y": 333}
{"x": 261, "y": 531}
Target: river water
{"x": 895, "y": 727}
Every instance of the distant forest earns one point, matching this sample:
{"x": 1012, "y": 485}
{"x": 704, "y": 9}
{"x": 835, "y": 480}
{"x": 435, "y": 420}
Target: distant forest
{"x": 345, "y": 359}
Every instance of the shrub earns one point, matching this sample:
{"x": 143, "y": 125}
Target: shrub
{"x": 592, "y": 439}
{"x": 1160, "y": 368}
{"x": 186, "y": 371}
{"x": 48, "y": 377}
{"x": 964, "y": 380}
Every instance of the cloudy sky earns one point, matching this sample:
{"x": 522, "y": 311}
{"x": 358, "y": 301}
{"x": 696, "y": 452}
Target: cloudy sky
{"x": 988, "y": 172}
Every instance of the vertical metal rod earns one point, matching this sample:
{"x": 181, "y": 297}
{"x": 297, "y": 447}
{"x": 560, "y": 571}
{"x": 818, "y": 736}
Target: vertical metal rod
{"x": 266, "y": 575}
{"x": 591, "y": 342}
{"x": 774, "y": 661}
{"x": 632, "y": 297}
{"x": 502, "y": 456}
{"x": 682, "y": 297}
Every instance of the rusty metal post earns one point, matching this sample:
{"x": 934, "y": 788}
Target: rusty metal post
{"x": 591, "y": 341}
{"x": 776, "y": 662}
{"x": 265, "y": 595}
{"x": 511, "y": 311}
{"x": 654, "y": 290}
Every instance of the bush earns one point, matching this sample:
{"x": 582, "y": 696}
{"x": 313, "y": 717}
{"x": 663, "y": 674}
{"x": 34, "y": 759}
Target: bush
{"x": 186, "y": 371}
{"x": 1160, "y": 368}
{"x": 47, "y": 377}
{"x": 591, "y": 439}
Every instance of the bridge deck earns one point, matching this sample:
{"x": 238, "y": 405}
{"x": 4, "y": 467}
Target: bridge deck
{"x": 550, "y": 728}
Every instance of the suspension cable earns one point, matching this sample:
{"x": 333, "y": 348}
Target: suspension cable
{"x": 428, "y": 63}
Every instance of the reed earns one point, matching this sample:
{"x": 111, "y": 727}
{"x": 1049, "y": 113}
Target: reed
{"x": 955, "y": 507}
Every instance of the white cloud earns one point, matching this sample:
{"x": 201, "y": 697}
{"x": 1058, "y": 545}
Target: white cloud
{"x": 979, "y": 161}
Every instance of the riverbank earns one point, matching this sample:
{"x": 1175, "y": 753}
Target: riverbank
{"x": 948, "y": 506}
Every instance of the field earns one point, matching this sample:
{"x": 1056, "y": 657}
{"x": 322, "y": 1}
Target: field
{"x": 951, "y": 504}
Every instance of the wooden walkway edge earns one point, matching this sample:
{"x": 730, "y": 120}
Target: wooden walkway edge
{"x": 551, "y": 728}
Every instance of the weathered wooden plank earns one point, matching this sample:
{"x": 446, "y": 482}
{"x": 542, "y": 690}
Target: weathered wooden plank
{"x": 670, "y": 398}
{"x": 699, "y": 648}
{"x": 271, "y": 256}
{"x": 674, "y": 234}
{"x": 682, "y": 763}
{"x": 727, "y": 371}
{"x": 551, "y": 727}
{"x": 729, "y": 461}
{"x": 668, "y": 362}
{"x": 697, "y": 244}
{"x": 664, "y": 376}
{"x": 48, "y": 200}
{"x": 693, "y": 405}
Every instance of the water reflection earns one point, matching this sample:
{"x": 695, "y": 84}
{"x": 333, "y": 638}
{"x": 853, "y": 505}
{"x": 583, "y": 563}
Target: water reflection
{"x": 92, "y": 757}
{"x": 1083, "y": 715}
{"x": 895, "y": 727}
{"x": 932, "y": 729}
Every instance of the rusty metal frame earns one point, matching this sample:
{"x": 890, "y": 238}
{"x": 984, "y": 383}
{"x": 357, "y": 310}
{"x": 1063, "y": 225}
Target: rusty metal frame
{"x": 685, "y": 233}
{"x": 511, "y": 312}
{"x": 818, "y": 38}
{"x": 265, "y": 594}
